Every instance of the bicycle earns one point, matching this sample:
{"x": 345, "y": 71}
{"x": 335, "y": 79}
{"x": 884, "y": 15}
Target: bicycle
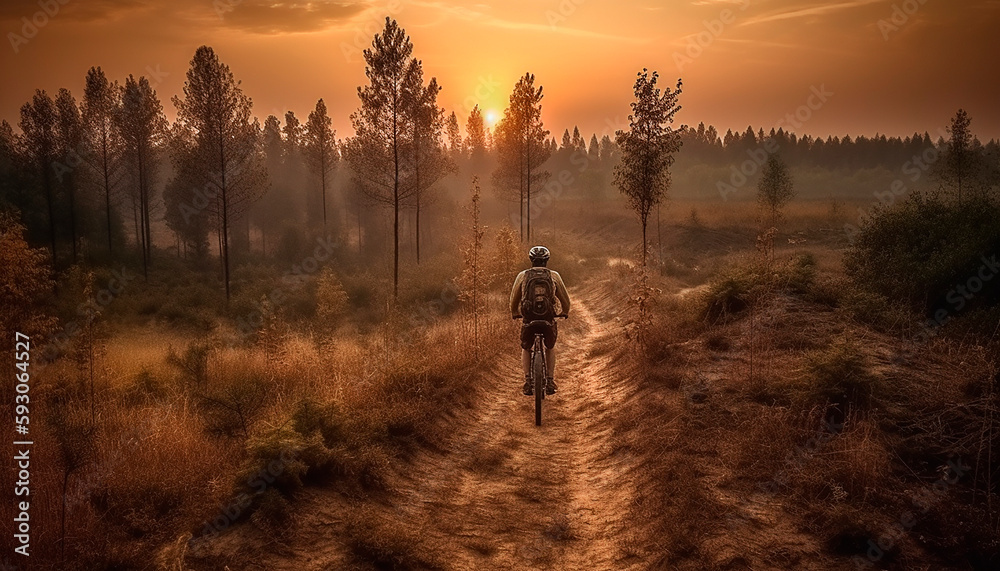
{"x": 538, "y": 365}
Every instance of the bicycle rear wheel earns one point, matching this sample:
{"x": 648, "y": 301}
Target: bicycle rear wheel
{"x": 538, "y": 376}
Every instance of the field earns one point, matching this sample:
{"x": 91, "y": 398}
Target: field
{"x": 756, "y": 413}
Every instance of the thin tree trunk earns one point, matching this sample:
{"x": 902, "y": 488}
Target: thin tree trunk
{"x": 323, "y": 190}
{"x": 225, "y": 221}
{"x": 520, "y": 199}
{"x": 139, "y": 236}
{"x": 527, "y": 168}
{"x": 71, "y": 194}
{"x": 107, "y": 188}
{"x": 644, "y": 242}
{"x": 659, "y": 236}
{"x": 144, "y": 210}
{"x": 47, "y": 181}
{"x": 395, "y": 208}
{"x": 417, "y": 166}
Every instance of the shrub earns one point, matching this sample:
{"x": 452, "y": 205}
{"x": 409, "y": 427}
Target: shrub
{"x": 735, "y": 289}
{"x": 331, "y": 298}
{"x": 874, "y": 310}
{"x": 280, "y": 459}
{"x": 841, "y": 376}
{"x": 193, "y": 363}
{"x": 919, "y": 250}
{"x": 801, "y": 273}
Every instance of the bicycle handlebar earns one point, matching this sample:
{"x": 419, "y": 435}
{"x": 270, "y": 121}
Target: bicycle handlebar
{"x": 515, "y": 317}
{"x": 540, "y": 322}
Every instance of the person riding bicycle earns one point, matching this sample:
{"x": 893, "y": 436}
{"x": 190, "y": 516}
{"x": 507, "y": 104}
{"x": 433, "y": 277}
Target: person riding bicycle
{"x": 533, "y": 298}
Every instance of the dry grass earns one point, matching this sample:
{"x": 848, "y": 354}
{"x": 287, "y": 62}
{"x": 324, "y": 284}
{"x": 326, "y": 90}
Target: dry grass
{"x": 169, "y": 446}
{"x": 834, "y": 420}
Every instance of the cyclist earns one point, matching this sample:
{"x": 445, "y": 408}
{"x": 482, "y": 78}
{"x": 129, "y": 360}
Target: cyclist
{"x": 533, "y": 298}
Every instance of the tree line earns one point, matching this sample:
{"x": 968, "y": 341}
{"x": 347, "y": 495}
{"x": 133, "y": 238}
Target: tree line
{"x": 95, "y": 178}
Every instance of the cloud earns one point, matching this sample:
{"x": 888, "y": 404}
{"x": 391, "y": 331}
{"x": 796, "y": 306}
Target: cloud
{"x": 93, "y": 10}
{"x": 274, "y": 17}
{"x": 483, "y": 14}
{"x": 812, "y": 11}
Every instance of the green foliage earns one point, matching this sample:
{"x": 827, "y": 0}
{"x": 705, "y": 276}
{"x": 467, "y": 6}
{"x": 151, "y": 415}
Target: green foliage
{"x": 775, "y": 187}
{"x": 874, "y": 309}
{"x": 916, "y": 252}
{"x": 648, "y": 147}
{"x": 800, "y": 273}
{"x": 284, "y": 458}
{"x": 24, "y": 282}
{"x": 192, "y": 363}
{"x": 841, "y": 375}
{"x": 281, "y": 458}
{"x": 331, "y": 298}
{"x": 326, "y": 419}
{"x": 506, "y": 259}
{"x": 740, "y": 286}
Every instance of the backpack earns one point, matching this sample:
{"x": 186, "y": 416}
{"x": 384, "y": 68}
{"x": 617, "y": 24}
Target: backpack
{"x": 538, "y": 295}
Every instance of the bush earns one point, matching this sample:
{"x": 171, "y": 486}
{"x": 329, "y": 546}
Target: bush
{"x": 801, "y": 273}
{"x": 873, "y": 309}
{"x": 736, "y": 289}
{"x": 921, "y": 249}
{"x": 280, "y": 459}
{"x": 840, "y": 375}
{"x": 331, "y": 299}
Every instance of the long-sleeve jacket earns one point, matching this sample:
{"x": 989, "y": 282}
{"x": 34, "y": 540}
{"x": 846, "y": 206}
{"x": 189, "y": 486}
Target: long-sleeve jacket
{"x": 561, "y": 294}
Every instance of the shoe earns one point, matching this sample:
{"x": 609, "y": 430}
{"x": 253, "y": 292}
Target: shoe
{"x": 527, "y": 390}
{"x": 550, "y": 386}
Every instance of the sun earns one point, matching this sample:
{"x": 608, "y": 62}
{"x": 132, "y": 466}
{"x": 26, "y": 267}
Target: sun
{"x": 492, "y": 117}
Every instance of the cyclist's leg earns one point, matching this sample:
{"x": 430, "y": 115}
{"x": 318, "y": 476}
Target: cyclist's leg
{"x": 551, "y": 334}
{"x": 527, "y": 339}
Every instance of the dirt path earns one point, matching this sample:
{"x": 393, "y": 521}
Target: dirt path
{"x": 508, "y": 494}
{"x": 503, "y": 494}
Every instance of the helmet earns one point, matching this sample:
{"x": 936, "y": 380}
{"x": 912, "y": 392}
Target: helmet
{"x": 539, "y": 255}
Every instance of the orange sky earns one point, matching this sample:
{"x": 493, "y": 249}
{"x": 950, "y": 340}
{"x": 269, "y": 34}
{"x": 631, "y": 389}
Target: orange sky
{"x": 742, "y": 61}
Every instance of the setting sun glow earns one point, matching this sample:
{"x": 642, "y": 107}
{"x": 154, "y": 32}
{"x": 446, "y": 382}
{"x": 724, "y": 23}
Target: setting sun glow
{"x": 742, "y": 62}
